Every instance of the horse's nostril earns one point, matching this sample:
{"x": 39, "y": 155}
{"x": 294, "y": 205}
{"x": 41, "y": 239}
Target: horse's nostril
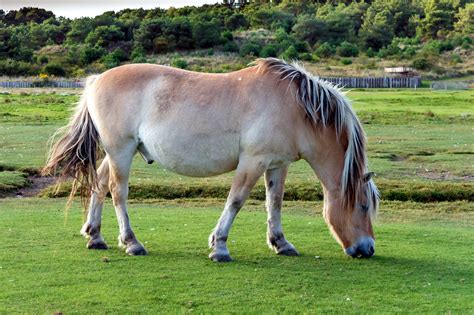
{"x": 371, "y": 251}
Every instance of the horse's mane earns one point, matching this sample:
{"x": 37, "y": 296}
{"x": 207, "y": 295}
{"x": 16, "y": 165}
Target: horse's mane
{"x": 325, "y": 104}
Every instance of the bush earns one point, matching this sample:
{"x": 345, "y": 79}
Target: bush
{"x": 250, "y": 49}
{"x": 290, "y": 53}
{"x": 421, "y": 64}
{"x": 370, "y": 53}
{"x": 346, "y": 61}
{"x": 90, "y": 54}
{"x": 347, "y": 49}
{"x": 306, "y": 56}
{"x": 12, "y": 67}
{"x": 269, "y": 51}
{"x": 325, "y": 50}
{"x": 226, "y": 36}
{"x": 179, "y": 63}
{"x": 110, "y": 61}
{"x": 139, "y": 59}
{"x": 230, "y": 47}
{"x": 455, "y": 58}
{"x": 54, "y": 69}
{"x": 43, "y": 60}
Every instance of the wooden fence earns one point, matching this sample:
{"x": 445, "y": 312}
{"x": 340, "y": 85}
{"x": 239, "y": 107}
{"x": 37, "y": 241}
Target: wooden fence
{"x": 366, "y": 83}
{"x": 40, "y": 84}
{"x": 376, "y": 82}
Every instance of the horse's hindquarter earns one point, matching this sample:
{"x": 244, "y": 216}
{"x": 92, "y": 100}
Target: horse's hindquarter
{"x": 200, "y": 124}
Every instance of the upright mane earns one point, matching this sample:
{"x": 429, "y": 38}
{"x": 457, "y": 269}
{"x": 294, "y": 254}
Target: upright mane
{"x": 325, "y": 104}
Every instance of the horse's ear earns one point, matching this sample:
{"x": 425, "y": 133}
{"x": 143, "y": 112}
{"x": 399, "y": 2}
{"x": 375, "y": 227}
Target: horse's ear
{"x": 368, "y": 176}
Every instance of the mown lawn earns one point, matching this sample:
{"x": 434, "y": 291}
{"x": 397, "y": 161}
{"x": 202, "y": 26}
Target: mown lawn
{"x": 423, "y": 264}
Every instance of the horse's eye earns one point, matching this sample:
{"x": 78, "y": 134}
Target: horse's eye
{"x": 364, "y": 208}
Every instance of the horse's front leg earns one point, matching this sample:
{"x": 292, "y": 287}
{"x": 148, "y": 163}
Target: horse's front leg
{"x": 274, "y": 184}
{"x": 248, "y": 172}
{"x": 91, "y": 228}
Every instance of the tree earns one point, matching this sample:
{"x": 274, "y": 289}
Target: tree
{"x": 104, "y": 36}
{"x": 439, "y": 18}
{"x": 465, "y": 20}
{"x": 27, "y": 14}
{"x": 339, "y": 26}
{"x": 80, "y": 28}
{"x": 309, "y": 29}
{"x": 236, "y": 21}
{"x": 206, "y": 33}
{"x": 377, "y": 31}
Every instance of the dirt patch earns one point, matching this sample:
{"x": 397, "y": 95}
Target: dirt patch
{"x": 37, "y": 184}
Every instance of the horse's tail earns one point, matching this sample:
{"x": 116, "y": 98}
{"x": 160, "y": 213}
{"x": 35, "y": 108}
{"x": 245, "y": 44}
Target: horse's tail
{"x": 75, "y": 154}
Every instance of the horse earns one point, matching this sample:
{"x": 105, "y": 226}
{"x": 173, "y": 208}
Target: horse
{"x": 256, "y": 121}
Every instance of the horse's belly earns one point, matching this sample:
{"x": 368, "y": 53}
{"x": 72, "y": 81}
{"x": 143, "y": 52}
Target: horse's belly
{"x": 194, "y": 154}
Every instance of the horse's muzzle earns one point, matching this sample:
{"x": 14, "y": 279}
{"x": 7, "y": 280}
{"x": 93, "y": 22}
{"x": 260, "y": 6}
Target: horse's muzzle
{"x": 363, "y": 248}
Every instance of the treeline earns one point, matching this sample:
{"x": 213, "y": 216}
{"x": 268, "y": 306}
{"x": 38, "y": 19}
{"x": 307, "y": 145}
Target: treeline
{"x": 33, "y": 40}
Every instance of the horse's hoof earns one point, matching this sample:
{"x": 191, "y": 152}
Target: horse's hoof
{"x": 290, "y": 251}
{"x": 97, "y": 245}
{"x": 215, "y": 257}
{"x": 136, "y": 250}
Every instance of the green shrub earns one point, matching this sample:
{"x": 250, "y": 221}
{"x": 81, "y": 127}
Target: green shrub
{"x": 12, "y": 67}
{"x": 370, "y": 53}
{"x": 43, "y": 60}
{"x": 306, "y": 56}
{"x": 346, "y": 61}
{"x": 179, "y": 63}
{"x": 110, "y": 61}
{"x": 421, "y": 63}
{"x": 290, "y": 54}
{"x": 269, "y": 51}
{"x": 325, "y": 50}
{"x": 226, "y": 36}
{"x": 347, "y": 49}
{"x": 139, "y": 59}
{"x": 455, "y": 58}
{"x": 54, "y": 69}
{"x": 230, "y": 47}
{"x": 466, "y": 45}
{"x": 250, "y": 49}
{"x": 90, "y": 54}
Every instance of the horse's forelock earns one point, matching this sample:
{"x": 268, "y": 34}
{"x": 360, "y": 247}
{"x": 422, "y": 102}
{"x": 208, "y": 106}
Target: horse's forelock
{"x": 325, "y": 104}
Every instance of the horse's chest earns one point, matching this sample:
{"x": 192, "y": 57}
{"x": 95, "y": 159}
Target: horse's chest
{"x": 194, "y": 153}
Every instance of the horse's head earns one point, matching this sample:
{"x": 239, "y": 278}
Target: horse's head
{"x": 333, "y": 142}
{"x": 351, "y": 224}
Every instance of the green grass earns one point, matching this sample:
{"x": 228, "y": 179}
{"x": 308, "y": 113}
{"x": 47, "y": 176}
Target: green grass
{"x": 418, "y": 140}
{"x": 423, "y": 262}
{"x": 11, "y": 180}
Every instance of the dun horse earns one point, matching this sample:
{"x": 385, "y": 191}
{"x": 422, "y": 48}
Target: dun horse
{"x": 256, "y": 121}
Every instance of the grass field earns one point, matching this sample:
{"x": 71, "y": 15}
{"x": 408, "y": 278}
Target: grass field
{"x": 423, "y": 263}
{"x": 420, "y": 140}
{"x": 420, "y": 145}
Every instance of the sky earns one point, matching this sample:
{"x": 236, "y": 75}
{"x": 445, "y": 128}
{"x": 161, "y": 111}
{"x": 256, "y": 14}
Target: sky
{"x": 78, "y": 8}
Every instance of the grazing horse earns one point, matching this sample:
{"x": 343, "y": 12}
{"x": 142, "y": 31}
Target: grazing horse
{"x": 256, "y": 121}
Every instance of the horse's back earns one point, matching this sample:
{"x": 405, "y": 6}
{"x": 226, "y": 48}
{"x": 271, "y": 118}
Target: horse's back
{"x": 196, "y": 124}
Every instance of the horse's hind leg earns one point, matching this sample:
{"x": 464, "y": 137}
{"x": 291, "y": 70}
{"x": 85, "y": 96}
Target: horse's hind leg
{"x": 119, "y": 163}
{"x": 248, "y": 172}
{"x": 91, "y": 229}
{"x": 274, "y": 184}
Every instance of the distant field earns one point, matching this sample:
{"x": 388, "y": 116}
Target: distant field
{"x": 418, "y": 141}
